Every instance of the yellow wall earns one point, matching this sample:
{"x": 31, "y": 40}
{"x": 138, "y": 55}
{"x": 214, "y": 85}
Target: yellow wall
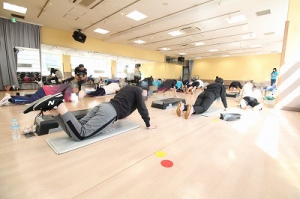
{"x": 257, "y": 67}
{"x": 60, "y": 38}
{"x": 161, "y": 70}
{"x": 66, "y": 59}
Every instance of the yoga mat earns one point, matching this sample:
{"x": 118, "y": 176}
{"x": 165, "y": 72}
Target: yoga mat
{"x": 63, "y": 144}
{"x": 211, "y": 111}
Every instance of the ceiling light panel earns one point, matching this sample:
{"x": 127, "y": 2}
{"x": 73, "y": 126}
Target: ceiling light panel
{"x": 199, "y": 44}
{"x": 138, "y": 41}
{"x": 175, "y": 33}
{"x": 15, "y": 8}
{"x": 137, "y": 16}
{"x": 101, "y": 31}
{"x": 236, "y": 19}
{"x": 255, "y": 45}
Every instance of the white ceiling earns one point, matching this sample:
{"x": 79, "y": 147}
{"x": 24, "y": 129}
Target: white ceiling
{"x": 206, "y": 20}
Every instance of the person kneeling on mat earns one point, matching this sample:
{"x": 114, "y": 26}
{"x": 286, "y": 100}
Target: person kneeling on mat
{"x": 204, "y": 100}
{"x": 111, "y": 88}
{"x": 249, "y": 96}
{"x": 127, "y": 100}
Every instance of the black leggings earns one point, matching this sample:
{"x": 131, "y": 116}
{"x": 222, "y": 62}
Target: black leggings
{"x": 251, "y": 101}
{"x": 204, "y": 101}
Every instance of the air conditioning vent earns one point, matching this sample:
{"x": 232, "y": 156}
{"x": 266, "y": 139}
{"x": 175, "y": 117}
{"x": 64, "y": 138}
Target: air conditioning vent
{"x": 189, "y": 30}
{"x": 88, "y": 3}
{"x": 18, "y": 16}
{"x": 269, "y": 33}
{"x": 264, "y": 12}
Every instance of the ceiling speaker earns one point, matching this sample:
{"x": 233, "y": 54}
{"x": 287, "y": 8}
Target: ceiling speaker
{"x": 181, "y": 59}
{"x": 79, "y": 36}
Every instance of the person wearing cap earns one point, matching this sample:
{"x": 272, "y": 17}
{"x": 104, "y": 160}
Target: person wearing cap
{"x": 204, "y": 100}
{"x": 80, "y": 75}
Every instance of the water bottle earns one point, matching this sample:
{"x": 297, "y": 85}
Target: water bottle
{"x": 15, "y": 129}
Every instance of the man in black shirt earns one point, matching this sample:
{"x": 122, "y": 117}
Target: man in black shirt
{"x": 80, "y": 75}
{"x": 126, "y": 101}
{"x": 204, "y": 100}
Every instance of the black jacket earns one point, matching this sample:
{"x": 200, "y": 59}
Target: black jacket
{"x": 219, "y": 90}
{"x": 127, "y": 100}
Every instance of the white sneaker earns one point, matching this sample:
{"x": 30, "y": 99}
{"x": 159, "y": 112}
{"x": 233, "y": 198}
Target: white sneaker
{"x": 258, "y": 107}
{"x": 5, "y": 99}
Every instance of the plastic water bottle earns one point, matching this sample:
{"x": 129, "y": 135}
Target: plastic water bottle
{"x": 15, "y": 129}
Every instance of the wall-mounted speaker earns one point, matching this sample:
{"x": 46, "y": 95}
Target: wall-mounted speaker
{"x": 180, "y": 59}
{"x": 79, "y": 36}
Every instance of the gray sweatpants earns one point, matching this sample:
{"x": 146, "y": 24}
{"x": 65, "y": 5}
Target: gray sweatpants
{"x": 93, "y": 123}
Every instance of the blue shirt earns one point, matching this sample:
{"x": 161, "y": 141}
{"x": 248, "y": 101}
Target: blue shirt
{"x": 274, "y": 75}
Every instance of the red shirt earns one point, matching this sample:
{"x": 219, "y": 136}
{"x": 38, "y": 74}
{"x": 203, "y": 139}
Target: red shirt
{"x": 65, "y": 89}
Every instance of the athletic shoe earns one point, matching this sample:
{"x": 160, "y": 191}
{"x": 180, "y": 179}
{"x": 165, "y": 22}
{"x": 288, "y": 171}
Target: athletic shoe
{"x": 30, "y": 106}
{"x": 258, "y": 107}
{"x": 5, "y": 99}
{"x": 50, "y": 103}
{"x": 189, "y": 112}
{"x": 179, "y": 109}
{"x": 243, "y": 104}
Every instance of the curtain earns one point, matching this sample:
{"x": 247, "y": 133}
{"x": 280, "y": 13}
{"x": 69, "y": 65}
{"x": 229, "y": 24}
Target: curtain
{"x": 191, "y": 65}
{"x": 11, "y": 35}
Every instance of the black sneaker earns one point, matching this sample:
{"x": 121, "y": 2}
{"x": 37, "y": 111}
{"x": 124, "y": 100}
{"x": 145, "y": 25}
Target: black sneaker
{"x": 30, "y": 106}
{"x": 49, "y": 103}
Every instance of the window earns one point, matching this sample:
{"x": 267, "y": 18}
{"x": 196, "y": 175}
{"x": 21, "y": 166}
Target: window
{"x": 51, "y": 60}
{"x": 28, "y": 60}
{"x": 95, "y": 66}
{"x": 121, "y": 69}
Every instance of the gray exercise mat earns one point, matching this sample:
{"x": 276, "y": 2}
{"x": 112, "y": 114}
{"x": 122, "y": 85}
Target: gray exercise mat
{"x": 63, "y": 144}
{"x": 211, "y": 111}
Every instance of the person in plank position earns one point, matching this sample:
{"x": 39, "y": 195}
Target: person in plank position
{"x": 204, "y": 100}
{"x": 126, "y": 101}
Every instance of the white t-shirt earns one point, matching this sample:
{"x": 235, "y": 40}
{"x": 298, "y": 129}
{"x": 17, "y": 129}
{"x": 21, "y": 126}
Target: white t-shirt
{"x": 200, "y": 83}
{"x": 111, "y": 88}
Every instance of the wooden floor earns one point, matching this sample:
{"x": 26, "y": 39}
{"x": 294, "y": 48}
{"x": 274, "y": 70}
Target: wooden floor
{"x": 255, "y": 157}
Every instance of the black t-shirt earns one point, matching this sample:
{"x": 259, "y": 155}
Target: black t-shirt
{"x": 80, "y": 73}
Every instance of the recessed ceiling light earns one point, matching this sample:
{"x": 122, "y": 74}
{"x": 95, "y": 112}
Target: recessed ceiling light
{"x": 101, "y": 31}
{"x": 225, "y": 55}
{"x": 236, "y": 19}
{"x": 138, "y": 41}
{"x": 165, "y": 49}
{"x": 213, "y": 50}
{"x": 199, "y": 43}
{"x": 256, "y": 45}
{"x": 182, "y": 53}
{"x": 135, "y": 15}
{"x": 15, "y": 8}
{"x": 175, "y": 33}
{"x": 197, "y": 57}
{"x": 249, "y": 36}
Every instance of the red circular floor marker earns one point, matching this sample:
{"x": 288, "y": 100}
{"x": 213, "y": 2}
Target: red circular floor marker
{"x": 166, "y": 163}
